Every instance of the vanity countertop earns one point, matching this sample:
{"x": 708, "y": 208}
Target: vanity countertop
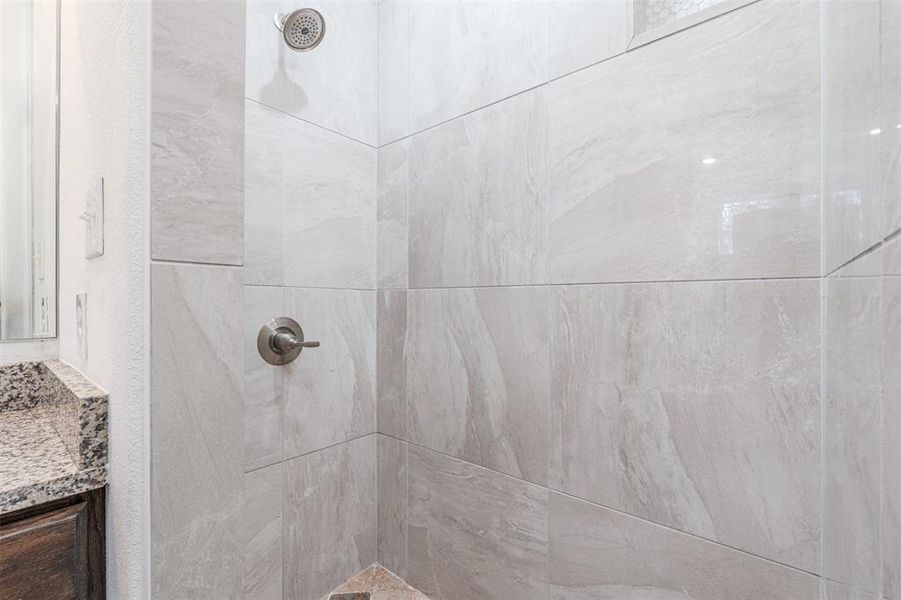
{"x": 53, "y": 434}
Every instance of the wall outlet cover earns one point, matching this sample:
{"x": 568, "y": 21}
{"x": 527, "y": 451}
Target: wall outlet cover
{"x": 81, "y": 324}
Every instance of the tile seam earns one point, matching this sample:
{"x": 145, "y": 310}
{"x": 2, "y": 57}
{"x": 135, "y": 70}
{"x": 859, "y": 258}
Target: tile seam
{"x": 614, "y": 510}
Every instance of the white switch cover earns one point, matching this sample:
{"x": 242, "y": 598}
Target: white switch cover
{"x": 93, "y": 220}
{"x": 81, "y": 324}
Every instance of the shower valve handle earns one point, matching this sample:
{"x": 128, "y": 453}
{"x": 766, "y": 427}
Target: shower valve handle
{"x": 285, "y": 341}
{"x": 281, "y": 340}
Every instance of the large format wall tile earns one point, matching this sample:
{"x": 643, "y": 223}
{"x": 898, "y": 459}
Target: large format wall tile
{"x": 477, "y": 379}
{"x": 335, "y": 84}
{"x": 197, "y": 150}
{"x": 596, "y": 554}
{"x": 629, "y": 194}
{"x": 459, "y": 56}
{"x": 327, "y": 395}
{"x": 582, "y": 32}
{"x": 852, "y": 433}
{"x": 330, "y": 209}
{"x": 476, "y": 198}
{"x": 264, "y": 384}
{"x": 391, "y": 381}
{"x": 694, "y": 405}
{"x": 393, "y": 232}
{"x": 264, "y": 194}
{"x": 197, "y": 539}
{"x": 311, "y": 209}
{"x": 393, "y": 68}
{"x": 837, "y": 591}
{"x": 330, "y": 513}
{"x": 439, "y": 60}
{"x": 392, "y": 509}
{"x": 264, "y": 492}
{"x": 330, "y": 394}
{"x": 853, "y": 208}
{"x": 473, "y": 533}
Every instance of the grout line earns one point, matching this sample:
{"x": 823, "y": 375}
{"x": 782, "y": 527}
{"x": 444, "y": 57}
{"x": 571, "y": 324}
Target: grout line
{"x": 824, "y": 416}
{"x": 609, "y": 508}
{"x": 521, "y": 92}
{"x": 310, "y": 287}
{"x": 144, "y": 584}
{"x": 851, "y": 588}
{"x": 405, "y": 559}
{"x": 890, "y": 238}
{"x": 623, "y": 282}
{"x": 378, "y": 88}
{"x": 290, "y": 458}
{"x": 167, "y": 261}
{"x": 317, "y": 125}
{"x": 283, "y": 476}
{"x": 823, "y": 156}
{"x": 463, "y": 115}
{"x": 855, "y": 258}
{"x": 645, "y": 38}
{"x": 540, "y": 285}
{"x": 377, "y": 495}
{"x": 882, "y": 528}
{"x": 626, "y": 50}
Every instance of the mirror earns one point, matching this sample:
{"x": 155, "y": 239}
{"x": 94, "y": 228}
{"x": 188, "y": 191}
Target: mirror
{"x": 29, "y": 67}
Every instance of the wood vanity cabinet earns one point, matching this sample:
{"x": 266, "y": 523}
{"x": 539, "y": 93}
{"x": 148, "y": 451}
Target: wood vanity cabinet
{"x": 54, "y": 551}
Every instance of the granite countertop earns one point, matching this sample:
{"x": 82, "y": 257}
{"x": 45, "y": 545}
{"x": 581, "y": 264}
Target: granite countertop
{"x": 53, "y": 434}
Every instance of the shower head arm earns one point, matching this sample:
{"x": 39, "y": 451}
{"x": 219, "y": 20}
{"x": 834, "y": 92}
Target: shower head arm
{"x": 279, "y": 20}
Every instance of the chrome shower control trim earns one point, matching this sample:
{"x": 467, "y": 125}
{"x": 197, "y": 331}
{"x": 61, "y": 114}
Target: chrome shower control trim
{"x": 281, "y": 340}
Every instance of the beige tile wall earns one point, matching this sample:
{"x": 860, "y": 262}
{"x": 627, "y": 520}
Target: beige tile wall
{"x": 310, "y": 254}
{"x": 653, "y": 430}
{"x": 668, "y": 407}
{"x": 197, "y": 132}
{"x": 862, "y": 198}
{"x": 196, "y": 420}
{"x": 196, "y": 236}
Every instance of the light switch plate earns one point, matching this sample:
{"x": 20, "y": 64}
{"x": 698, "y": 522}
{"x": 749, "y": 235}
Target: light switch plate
{"x": 93, "y": 219}
{"x": 81, "y": 324}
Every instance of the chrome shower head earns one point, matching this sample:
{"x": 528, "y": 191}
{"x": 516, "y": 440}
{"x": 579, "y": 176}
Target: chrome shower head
{"x": 302, "y": 29}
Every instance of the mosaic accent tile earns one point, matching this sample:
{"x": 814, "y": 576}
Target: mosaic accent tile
{"x": 656, "y": 13}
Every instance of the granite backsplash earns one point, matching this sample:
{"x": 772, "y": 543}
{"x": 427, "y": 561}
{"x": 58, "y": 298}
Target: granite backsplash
{"x": 77, "y": 406}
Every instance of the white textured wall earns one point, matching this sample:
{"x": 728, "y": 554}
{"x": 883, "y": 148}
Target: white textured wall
{"x": 104, "y": 132}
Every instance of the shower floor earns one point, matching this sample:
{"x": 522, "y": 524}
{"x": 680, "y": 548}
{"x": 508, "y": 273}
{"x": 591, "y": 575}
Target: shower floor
{"x": 376, "y": 583}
